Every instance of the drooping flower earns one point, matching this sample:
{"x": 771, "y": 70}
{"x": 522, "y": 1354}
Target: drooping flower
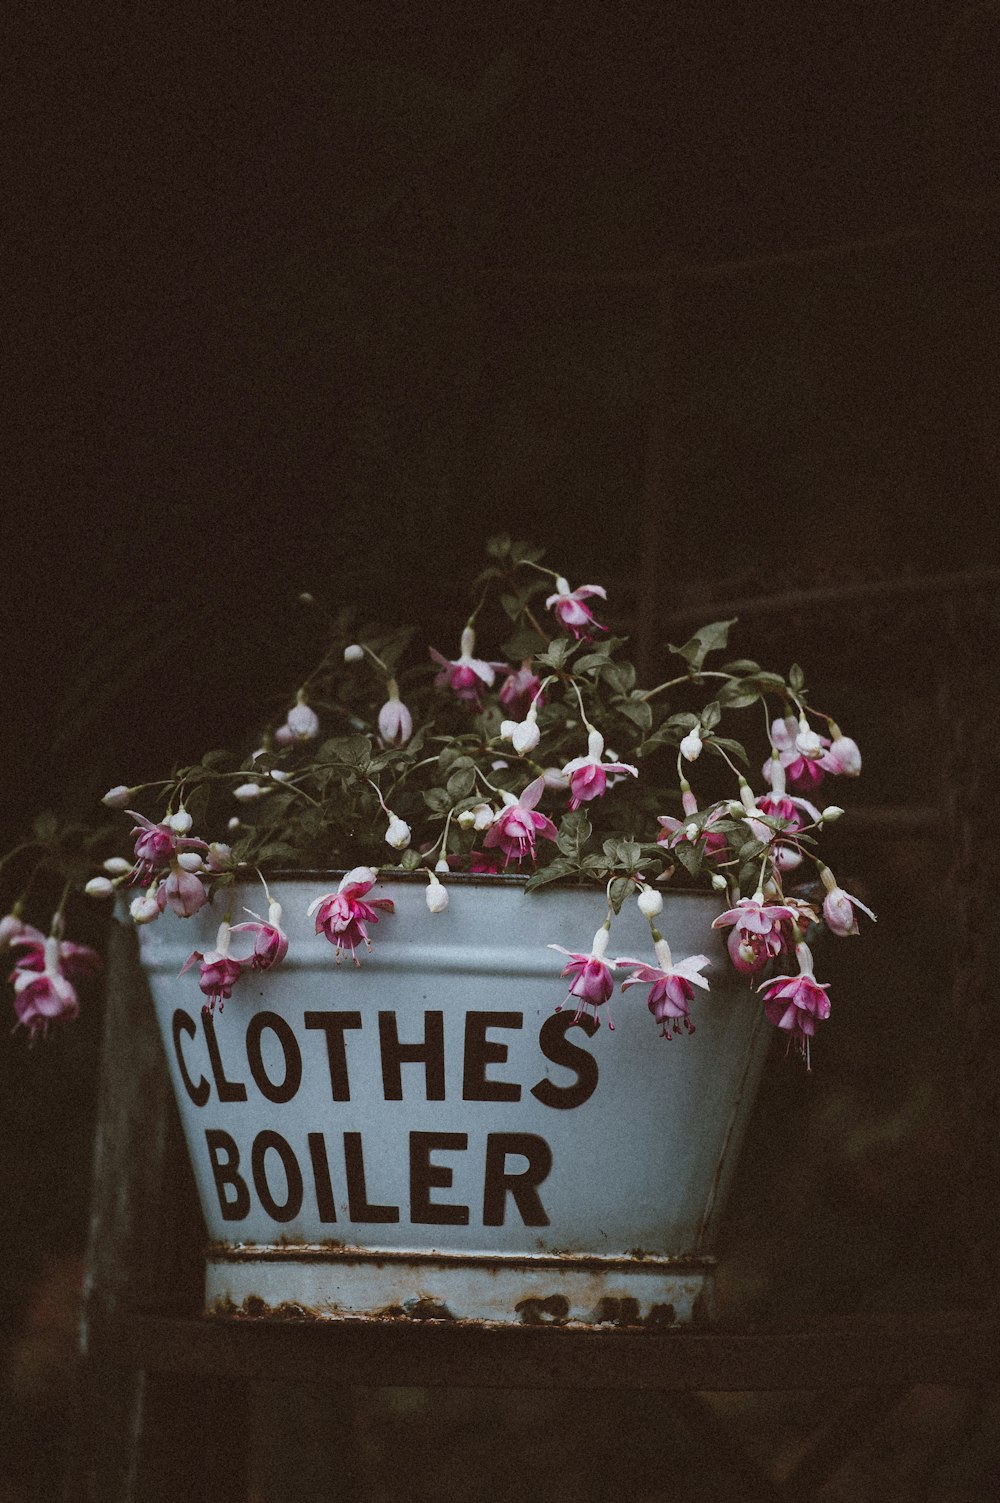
{"x": 395, "y": 723}
{"x": 674, "y": 831}
{"x": 588, "y": 776}
{"x": 759, "y": 931}
{"x": 843, "y": 754}
{"x": 570, "y": 610}
{"x": 796, "y": 1003}
{"x": 520, "y": 688}
{"x": 270, "y": 942}
{"x": 45, "y": 995}
{"x": 156, "y": 845}
{"x": 218, "y": 970}
{"x": 800, "y": 751}
{"x": 342, "y": 916}
{"x": 671, "y": 987}
{"x": 593, "y": 977}
{"x": 182, "y": 892}
{"x": 466, "y": 675}
{"x": 518, "y": 824}
{"x": 839, "y": 906}
{"x": 75, "y": 961}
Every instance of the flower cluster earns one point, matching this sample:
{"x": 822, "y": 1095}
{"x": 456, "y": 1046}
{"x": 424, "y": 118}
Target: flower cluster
{"x": 544, "y": 759}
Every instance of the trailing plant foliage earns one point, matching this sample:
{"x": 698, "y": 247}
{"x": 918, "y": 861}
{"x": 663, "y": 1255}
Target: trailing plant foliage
{"x": 549, "y": 760}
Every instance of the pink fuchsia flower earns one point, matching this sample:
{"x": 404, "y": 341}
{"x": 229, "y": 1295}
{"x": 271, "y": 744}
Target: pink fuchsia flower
{"x": 270, "y": 943}
{"x": 183, "y": 893}
{"x": 466, "y": 675}
{"x": 797, "y": 1003}
{"x": 843, "y": 755}
{"x": 759, "y": 931}
{"x": 520, "y": 689}
{"x": 395, "y": 723}
{"x": 674, "y": 831}
{"x": 341, "y": 916}
{"x": 839, "y": 906}
{"x": 671, "y": 987}
{"x": 593, "y": 978}
{"x": 518, "y": 824}
{"x": 46, "y": 995}
{"x": 75, "y": 961}
{"x": 156, "y": 845}
{"x": 218, "y": 970}
{"x": 800, "y": 752}
{"x": 588, "y": 776}
{"x": 570, "y": 610}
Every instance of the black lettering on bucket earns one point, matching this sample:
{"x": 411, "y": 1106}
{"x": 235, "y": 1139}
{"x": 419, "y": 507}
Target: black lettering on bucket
{"x": 184, "y": 1023}
{"x": 523, "y": 1187}
{"x": 429, "y": 1052}
{"x": 425, "y": 1176}
{"x": 556, "y": 1046}
{"x": 481, "y": 1051}
{"x": 335, "y": 1025}
{"x": 278, "y": 1093}
{"x": 292, "y": 1205}
{"x": 226, "y": 1173}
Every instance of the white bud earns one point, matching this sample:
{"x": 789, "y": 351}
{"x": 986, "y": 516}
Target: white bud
{"x": 691, "y": 745}
{"x": 354, "y": 653}
{"x": 465, "y": 820}
{"x": 180, "y": 822}
{"x": 398, "y": 833}
{"x": 650, "y": 902}
{"x": 279, "y": 775}
{"x": 117, "y": 866}
{"x": 246, "y": 792}
{"x": 233, "y": 823}
{"x": 526, "y": 736}
{"x": 555, "y": 778}
{"x": 303, "y": 722}
{"x": 117, "y": 797}
{"x": 441, "y": 865}
{"x": 99, "y": 887}
{"x": 484, "y": 817}
{"x": 498, "y": 765}
{"x": 507, "y": 729}
{"x": 830, "y": 813}
{"x": 436, "y": 895}
{"x": 691, "y": 831}
{"x": 719, "y": 882}
{"x": 562, "y": 585}
{"x": 306, "y": 598}
{"x": 189, "y": 861}
{"x": 144, "y": 909}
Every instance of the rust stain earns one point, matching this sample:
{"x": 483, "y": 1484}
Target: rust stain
{"x": 536, "y": 1310}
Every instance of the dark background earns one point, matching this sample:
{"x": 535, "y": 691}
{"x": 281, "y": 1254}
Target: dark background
{"x": 704, "y": 300}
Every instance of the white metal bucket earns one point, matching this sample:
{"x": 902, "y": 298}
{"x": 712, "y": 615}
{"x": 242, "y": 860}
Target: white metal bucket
{"x": 425, "y": 1137}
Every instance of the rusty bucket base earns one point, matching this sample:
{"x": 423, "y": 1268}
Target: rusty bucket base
{"x": 648, "y": 1291}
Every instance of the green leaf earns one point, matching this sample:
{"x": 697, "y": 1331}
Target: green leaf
{"x": 461, "y": 782}
{"x": 711, "y": 715}
{"x": 738, "y": 694}
{"x": 410, "y": 860}
{"x": 639, "y": 711}
{"x": 353, "y": 751}
{"x": 619, "y": 891}
{"x": 574, "y": 831}
{"x": 690, "y": 857}
{"x": 705, "y": 640}
{"x": 741, "y": 666}
{"x": 437, "y": 800}
{"x": 620, "y": 677}
{"x": 560, "y": 867}
{"x": 556, "y": 653}
{"x": 217, "y": 759}
{"x": 523, "y": 644}
{"x": 734, "y": 748}
{"x": 796, "y": 678}
{"x": 511, "y": 605}
{"x": 498, "y": 546}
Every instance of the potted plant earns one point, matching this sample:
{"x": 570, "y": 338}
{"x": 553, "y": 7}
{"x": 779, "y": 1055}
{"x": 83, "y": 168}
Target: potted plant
{"x": 385, "y": 946}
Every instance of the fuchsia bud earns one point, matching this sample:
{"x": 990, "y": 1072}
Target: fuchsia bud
{"x": 395, "y": 723}
{"x": 839, "y": 906}
{"x": 843, "y": 754}
{"x": 302, "y": 721}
